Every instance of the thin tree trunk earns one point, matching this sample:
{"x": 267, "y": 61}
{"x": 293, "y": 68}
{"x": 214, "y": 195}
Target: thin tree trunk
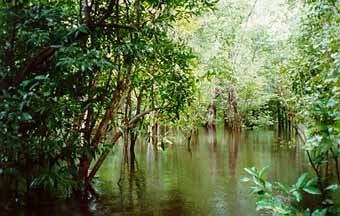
{"x": 104, "y": 155}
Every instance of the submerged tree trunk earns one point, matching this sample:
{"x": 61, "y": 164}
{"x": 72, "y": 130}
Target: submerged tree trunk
{"x": 85, "y": 161}
{"x": 211, "y": 115}
{"x": 234, "y": 118}
{"x": 103, "y": 156}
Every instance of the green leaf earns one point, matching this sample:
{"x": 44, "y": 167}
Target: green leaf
{"x": 301, "y": 181}
{"x": 332, "y": 187}
{"x": 318, "y": 212}
{"x": 283, "y": 187}
{"x": 311, "y": 182}
{"x": 49, "y": 181}
{"x": 83, "y": 29}
{"x": 41, "y": 77}
{"x": 245, "y": 179}
{"x": 25, "y": 83}
{"x": 251, "y": 171}
{"x": 331, "y": 103}
{"x": 312, "y": 190}
{"x": 268, "y": 186}
{"x": 26, "y": 116}
{"x": 264, "y": 204}
{"x": 297, "y": 196}
{"x": 263, "y": 172}
{"x": 256, "y": 190}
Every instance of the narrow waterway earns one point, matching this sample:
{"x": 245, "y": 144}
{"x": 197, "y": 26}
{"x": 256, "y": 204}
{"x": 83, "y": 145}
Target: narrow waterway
{"x": 198, "y": 179}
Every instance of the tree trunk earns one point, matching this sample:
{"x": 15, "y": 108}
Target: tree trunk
{"x": 104, "y": 155}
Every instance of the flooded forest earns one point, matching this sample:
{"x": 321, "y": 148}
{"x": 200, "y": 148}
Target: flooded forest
{"x": 169, "y": 107}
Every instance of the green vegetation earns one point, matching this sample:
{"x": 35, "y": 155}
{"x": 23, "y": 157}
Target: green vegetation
{"x": 77, "y": 76}
{"x": 312, "y": 72}
{"x": 73, "y": 72}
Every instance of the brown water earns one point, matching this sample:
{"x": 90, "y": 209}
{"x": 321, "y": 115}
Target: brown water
{"x": 200, "y": 179}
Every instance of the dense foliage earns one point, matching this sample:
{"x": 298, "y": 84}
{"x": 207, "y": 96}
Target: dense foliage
{"x": 76, "y": 76}
{"x": 313, "y": 74}
{"x": 73, "y": 72}
{"x": 239, "y": 64}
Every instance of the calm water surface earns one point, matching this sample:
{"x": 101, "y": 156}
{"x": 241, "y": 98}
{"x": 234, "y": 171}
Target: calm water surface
{"x": 200, "y": 179}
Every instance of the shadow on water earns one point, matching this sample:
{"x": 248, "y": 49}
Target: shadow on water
{"x": 199, "y": 177}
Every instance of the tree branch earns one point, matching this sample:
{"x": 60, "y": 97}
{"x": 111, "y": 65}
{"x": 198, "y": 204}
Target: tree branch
{"x": 108, "y": 12}
{"x": 138, "y": 116}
